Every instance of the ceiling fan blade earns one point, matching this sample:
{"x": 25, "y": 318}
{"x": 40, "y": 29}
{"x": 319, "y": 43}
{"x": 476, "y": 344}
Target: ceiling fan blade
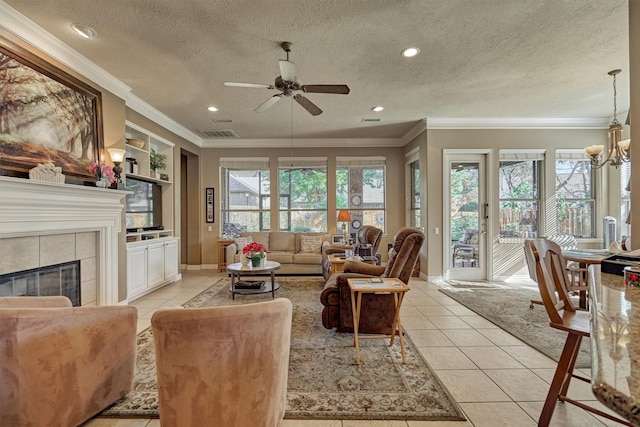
{"x": 287, "y": 70}
{"x": 339, "y": 89}
{"x": 256, "y": 85}
{"x": 268, "y": 103}
{"x": 308, "y": 105}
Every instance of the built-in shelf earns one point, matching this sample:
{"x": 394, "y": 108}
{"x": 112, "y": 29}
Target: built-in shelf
{"x": 151, "y": 142}
{"x": 148, "y": 178}
{"x": 148, "y": 235}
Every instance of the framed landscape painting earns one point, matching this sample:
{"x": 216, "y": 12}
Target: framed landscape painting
{"x": 46, "y": 116}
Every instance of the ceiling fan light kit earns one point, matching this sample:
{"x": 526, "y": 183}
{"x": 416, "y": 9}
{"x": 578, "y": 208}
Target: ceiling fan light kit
{"x": 287, "y": 83}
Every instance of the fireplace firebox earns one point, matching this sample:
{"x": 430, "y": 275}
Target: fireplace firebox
{"x": 53, "y": 280}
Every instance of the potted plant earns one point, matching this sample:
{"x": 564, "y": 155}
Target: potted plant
{"x": 156, "y": 161}
{"x": 256, "y": 253}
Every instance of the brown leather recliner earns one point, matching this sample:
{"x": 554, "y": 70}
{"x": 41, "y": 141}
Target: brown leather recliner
{"x": 367, "y": 235}
{"x": 377, "y": 310}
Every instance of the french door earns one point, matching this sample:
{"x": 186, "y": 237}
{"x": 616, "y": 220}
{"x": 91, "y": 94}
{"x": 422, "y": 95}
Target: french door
{"x": 465, "y": 217}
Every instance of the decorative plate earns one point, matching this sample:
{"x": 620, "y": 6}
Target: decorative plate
{"x": 356, "y": 200}
{"x": 356, "y": 224}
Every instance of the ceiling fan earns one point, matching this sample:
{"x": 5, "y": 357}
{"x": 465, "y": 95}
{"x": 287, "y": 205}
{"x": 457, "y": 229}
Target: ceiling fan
{"x": 287, "y": 83}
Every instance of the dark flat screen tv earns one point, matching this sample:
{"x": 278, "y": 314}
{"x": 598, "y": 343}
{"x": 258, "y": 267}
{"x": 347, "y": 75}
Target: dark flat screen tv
{"x": 144, "y": 205}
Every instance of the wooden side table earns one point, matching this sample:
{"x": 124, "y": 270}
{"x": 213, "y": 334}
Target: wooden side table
{"x": 337, "y": 263}
{"x": 388, "y": 286}
{"x": 222, "y": 255}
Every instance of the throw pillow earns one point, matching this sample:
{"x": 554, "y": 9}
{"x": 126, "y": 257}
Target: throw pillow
{"x": 241, "y": 242}
{"x": 310, "y": 244}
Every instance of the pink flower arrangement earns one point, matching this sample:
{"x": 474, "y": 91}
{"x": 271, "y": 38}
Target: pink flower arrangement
{"x": 102, "y": 171}
{"x": 254, "y": 250}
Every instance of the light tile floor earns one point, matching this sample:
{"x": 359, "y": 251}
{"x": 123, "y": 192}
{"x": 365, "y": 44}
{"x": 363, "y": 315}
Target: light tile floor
{"x": 496, "y": 379}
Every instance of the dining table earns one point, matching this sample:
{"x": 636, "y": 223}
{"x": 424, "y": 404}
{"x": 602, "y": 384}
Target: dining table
{"x": 615, "y": 343}
{"x": 585, "y": 258}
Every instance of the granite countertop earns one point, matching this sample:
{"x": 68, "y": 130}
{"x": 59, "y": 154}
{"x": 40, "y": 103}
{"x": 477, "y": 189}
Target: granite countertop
{"x": 615, "y": 343}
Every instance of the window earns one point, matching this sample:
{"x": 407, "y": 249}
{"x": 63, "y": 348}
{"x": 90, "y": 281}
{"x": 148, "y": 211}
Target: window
{"x": 245, "y": 195}
{"x": 302, "y": 194}
{"x": 575, "y": 194}
{"x": 414, "y": 182}
{"x": 360, "y": 188}
{"x": 519, "y": 193}
{"x": 625, "y": 193}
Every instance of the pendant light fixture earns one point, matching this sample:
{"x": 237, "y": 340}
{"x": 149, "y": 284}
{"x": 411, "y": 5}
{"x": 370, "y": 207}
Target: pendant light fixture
{"x": 617, "y": 149}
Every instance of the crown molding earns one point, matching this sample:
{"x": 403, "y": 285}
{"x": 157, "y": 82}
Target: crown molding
{"x": 517, "y": 123}
{"x": 137, "y": 104}
{"x": 27, "y": 30}
{"x": 302, "y": 142}
{"x": 420, "y": 127}
{"x": 30, "y": 32}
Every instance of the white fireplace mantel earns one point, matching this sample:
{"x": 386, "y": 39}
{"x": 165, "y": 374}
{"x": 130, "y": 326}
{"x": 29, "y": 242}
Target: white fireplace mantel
{"x": 33, "y": 208}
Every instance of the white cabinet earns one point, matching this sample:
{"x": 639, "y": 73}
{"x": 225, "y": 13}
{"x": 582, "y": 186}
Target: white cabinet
{"x": 171, "y": 266}
{"x": 155, "y": 264}
{"x": 151, "y": 264}
{"x": 136, "y": 276}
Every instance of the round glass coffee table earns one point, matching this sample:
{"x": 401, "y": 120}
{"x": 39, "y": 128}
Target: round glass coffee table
{"x": 253, "y": 287}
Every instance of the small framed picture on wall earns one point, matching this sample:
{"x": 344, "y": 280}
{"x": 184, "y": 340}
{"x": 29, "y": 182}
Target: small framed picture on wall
{"x": 208, "y": 197}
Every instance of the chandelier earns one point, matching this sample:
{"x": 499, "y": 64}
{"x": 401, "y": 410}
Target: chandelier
{"x": 617, "y": 149}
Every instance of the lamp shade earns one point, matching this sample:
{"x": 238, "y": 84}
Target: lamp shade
{"x": 116, "y": 154}
{"x": 343, "y": 215}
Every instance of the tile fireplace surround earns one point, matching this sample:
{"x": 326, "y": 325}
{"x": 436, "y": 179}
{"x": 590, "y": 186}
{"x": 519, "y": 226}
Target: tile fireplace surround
{"x": 47, "y": 211}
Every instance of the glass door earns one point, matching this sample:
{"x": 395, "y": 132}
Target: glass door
{"x": 465, "y": 216}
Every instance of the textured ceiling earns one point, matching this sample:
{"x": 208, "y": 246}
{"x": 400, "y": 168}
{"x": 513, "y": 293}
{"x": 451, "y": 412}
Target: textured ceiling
{"x": 479, "y": 59}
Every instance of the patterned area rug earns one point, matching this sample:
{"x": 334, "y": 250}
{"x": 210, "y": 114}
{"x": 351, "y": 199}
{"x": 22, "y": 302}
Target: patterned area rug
{"x": 509, "y": 309}
{"x": 324, "y": 381}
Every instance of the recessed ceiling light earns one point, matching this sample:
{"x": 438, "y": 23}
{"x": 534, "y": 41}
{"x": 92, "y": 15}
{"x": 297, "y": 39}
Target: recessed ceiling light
{"x": 410, "y": 51}
{"x": 212, "y": 109}
{"x": 378, "y": 108}
{"x": 84, "y": 31}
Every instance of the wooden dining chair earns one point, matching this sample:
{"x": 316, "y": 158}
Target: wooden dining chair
{"x": 573, "y": 278}
{"x": 551, "y": 277}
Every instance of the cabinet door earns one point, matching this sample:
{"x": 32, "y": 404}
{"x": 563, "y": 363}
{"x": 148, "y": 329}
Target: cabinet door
{"x": 136, "y": 270}
{"x": 155, "y": 264}
{"x": 171, "y": 259}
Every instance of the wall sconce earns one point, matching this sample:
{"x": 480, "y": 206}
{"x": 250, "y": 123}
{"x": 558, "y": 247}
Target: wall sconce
{"x": 117, "y": 156}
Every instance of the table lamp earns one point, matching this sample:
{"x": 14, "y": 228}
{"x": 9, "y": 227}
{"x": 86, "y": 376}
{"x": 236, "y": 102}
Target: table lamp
{"x": 343, "y": 215}
{"x": 117, "y": 156}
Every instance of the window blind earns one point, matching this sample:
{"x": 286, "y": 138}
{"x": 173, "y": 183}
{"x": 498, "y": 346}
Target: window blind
{"x": 244, "y": 162}
{"x": 521, "y": 154}
{"x": 298, "y": 162}
{"x": 361, "y": 161}
{"x": 562, "y": 154}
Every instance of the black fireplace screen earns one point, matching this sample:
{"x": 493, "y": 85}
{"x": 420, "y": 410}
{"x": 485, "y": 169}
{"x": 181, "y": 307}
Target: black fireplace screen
{"x": 60, "y": 279}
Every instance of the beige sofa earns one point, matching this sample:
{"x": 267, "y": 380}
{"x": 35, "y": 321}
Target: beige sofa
{"x": 286, "y": 248}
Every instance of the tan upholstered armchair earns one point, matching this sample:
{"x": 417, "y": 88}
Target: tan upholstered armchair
{"x": 60, "y": 364}
{"x": 377, "y": 310}
{"x": 368, "y": 239}
{"x": 223, "y": 366}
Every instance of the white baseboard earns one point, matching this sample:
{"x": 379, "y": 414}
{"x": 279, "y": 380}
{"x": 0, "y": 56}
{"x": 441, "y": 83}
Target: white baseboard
{"x": 193, "y": 268}
{"x": 209, "y": 266}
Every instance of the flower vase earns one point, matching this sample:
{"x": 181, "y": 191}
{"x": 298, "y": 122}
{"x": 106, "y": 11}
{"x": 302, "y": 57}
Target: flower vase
{"x": 102, "y": 183}
{"x": 255, "y": 261}
{"x": 244, "y": 260}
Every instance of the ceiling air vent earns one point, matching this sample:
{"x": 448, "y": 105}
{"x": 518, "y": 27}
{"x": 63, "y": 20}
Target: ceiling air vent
{"x": 365, "y": 120}
{"x": 218, "y": 133}
{"x": 222, "y": 120}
